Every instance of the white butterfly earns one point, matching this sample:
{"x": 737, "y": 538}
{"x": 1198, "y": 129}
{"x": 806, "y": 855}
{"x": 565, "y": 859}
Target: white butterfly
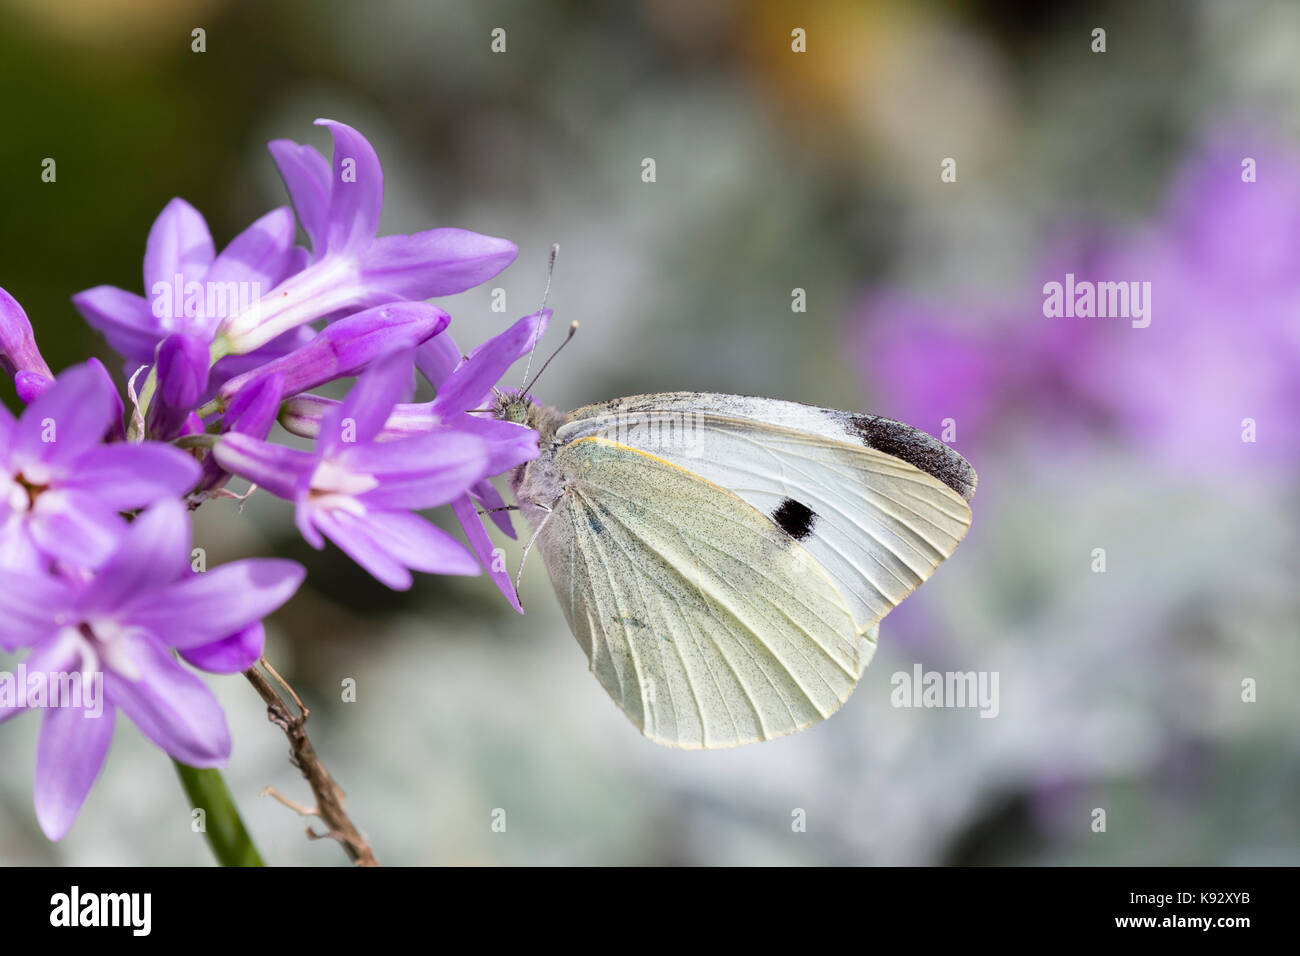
{"x": 724, "y": 561}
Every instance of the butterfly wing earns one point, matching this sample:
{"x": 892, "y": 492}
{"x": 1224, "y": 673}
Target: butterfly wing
{"x": 878, "y": 504}
{"x": 708, "y": 625}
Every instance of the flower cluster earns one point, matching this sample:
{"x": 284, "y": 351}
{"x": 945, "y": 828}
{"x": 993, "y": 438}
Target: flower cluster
{"x": 99, "y": 587}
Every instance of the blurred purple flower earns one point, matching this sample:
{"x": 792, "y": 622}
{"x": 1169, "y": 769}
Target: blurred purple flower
{"x": 62, "y": 488}
{"x": 359, "y": 491}
{"x": 122, "y": 625}
{"x": 1222, "y": 347}
{"x": 928, "y": 364}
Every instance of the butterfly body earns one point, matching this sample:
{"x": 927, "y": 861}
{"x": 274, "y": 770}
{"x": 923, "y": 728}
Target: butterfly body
{"x": 723, "y": 560}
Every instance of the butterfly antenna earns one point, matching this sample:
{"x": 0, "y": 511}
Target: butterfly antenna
{"x": 550, "y": 271}
{"x": 573, "y": 327}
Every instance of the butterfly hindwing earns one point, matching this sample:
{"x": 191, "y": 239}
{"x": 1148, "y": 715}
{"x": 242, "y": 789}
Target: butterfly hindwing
{"x": 705, "y": 621}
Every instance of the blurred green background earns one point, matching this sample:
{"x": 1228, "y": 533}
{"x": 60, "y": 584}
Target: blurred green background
{"x": 775, "y": 171}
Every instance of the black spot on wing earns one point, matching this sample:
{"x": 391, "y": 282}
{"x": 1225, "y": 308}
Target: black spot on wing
{"x": 917, "y": 449}
{"x": 795, "y": 519}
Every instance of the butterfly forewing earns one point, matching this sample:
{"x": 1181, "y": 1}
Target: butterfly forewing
{"x": 879, "y": 524}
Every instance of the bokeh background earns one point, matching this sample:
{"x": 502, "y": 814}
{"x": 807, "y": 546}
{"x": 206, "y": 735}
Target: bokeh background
{"x": 776, "y": 170}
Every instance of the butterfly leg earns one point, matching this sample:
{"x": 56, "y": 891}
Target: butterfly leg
{"x": 550, "y": 510}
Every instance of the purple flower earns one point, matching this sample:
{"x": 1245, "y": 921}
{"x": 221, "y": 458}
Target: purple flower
{"x": 191, "y": 289}
{"x": 929, "y": 362}
{"x": 463, "y": 384}
{"x": 118, "y": 630}
{"x": 1207, "y": 381}
{"x": 359, "y": 491}
{"x": 19, "y": 356}
{"x": 1223, "y": 345}
{"x": 339, "y": 209}
{"x": 62, "y": 489}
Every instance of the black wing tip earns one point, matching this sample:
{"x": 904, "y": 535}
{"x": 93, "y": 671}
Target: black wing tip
{"x": 917, "y": 449}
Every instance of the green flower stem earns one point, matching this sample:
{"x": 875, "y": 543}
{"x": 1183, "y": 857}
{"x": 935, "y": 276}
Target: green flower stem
{"x": 196, "y": 441}
{"x": 230, "y": 842}
{"x": 211, "y": 408}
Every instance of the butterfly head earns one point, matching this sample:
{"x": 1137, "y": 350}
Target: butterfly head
{"x": 521, "y": 409}
{"x": 514, "y": 406}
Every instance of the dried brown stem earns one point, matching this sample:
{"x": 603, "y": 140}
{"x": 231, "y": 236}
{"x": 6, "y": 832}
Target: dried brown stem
{"x": 329, "y": 795}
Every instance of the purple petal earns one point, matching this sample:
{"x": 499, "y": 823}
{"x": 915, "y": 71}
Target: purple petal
{"x": 303, "y": 515}
{"x": 75, "y": 527}
{"x": 434, "y": 263}
{"x": 229, "y": 655}
{"x": 207, "y": 607}
{"x": 356, "y": 191}
{"x": 126, "y": 319}
{"x": 193, "y": 425}
{"x": 281, "y": 345}
{"x": 170, "y": 705}
{"x": 419, "y": 543}
{"x": 306, "y": 175}
{"x": 179, "y": 244}
{"x": 299, "y": 258}
{"x": 251, "y": 412}
{"x": 7, "y": 425}
{"x": 123, "y": 477}
{"x": 282, "y": 471}
{"x": 253, "y": 409}
{"x": 117, "y": 429}
{"x": 486, "y": 494}
{"x": 438, "y": 358}
{"x": 182, "y": 369}
{"x": 18, "y": 351}
{"x": 74, "y": 414}
{"x": 354, "y": 538}
{"x": 509, "y": 445}
{"x": 410, "y": 419}
{"x": 31, "y": 386}
{"x": 369, "y": 403}
{"x": 29, "y": 603}
{"x": 69, "y": 755}
{"x": 470, "y": 384}
{"x": 51, "y": 655}
{"x": 155, "y": 549}
{"x": 349, "y": 345}
{"x": 302, "y": 414}
{"x": 18, "y": 552}
{"x": 420, "y": 472}
{"x": 261, "y": 255}
{"x": 467, "y": 514}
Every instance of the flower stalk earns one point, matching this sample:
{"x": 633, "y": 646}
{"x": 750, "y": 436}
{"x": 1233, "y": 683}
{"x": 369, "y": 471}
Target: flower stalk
{"x": 224, "y": 830}
{"x": 329, "y": 795}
